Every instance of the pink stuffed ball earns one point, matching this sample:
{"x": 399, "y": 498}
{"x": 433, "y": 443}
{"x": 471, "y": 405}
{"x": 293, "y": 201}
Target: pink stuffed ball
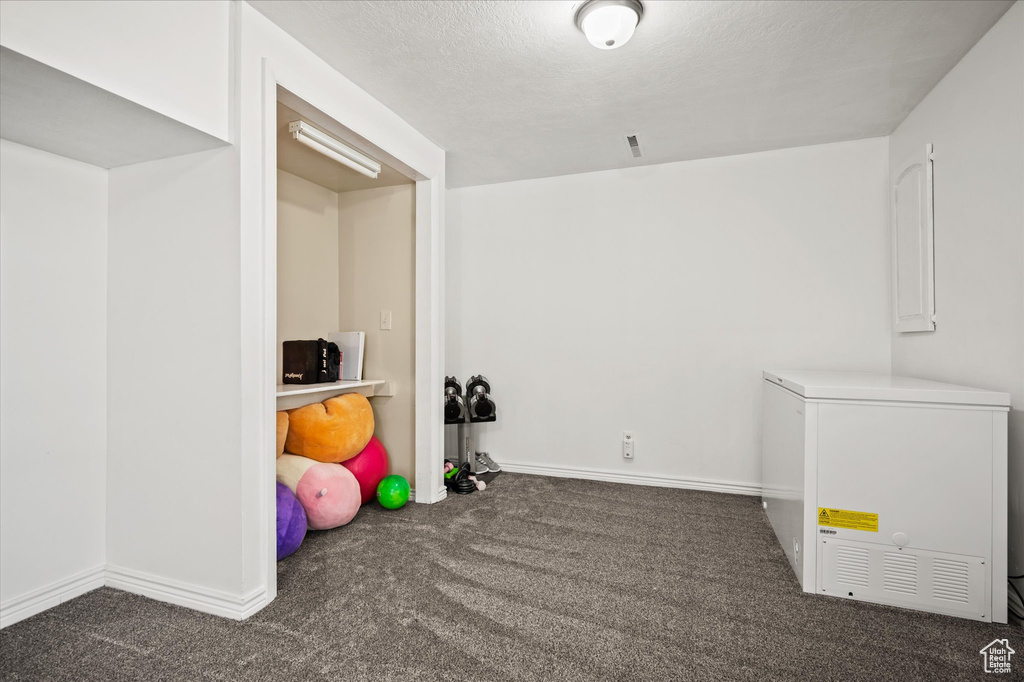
{"x": 369, "y": 467}
{"x": 328, "y": 493}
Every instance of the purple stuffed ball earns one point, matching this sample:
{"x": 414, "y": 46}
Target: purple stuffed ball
{"x": 291, "y": 522}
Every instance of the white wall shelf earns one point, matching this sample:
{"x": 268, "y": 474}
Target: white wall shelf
{"x": 290, "y": 396}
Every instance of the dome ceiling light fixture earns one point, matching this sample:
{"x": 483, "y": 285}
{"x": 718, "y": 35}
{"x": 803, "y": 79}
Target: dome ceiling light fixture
{"x": 609, "y": 24}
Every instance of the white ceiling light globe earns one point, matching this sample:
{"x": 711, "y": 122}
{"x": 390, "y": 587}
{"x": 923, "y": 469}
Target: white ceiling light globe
{"x": 609, "y": 24}
{"x": 609, "y": 27}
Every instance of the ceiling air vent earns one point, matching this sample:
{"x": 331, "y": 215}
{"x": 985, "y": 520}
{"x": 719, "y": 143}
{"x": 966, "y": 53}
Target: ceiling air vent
{"x": 634, "y": 146}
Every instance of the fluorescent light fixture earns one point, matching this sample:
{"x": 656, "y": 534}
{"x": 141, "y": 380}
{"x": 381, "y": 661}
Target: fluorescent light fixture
{"x": 609, "y": 24}
{"x": 333, "y": 149}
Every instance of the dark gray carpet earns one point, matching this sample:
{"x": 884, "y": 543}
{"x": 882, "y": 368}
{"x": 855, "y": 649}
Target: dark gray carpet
{"x": 535, "y": 579}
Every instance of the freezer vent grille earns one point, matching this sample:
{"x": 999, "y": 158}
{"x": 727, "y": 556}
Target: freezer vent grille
{"x": 852, "y": 566}
{"x": 951, "y": 580}
{"x": 940, "y": 582}
{"x": 900, "y": 571}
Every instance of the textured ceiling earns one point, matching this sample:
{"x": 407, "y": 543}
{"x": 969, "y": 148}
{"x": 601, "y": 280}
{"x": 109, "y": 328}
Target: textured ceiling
{"x": 512, "y": 90}
{"x": 298, "y": 159}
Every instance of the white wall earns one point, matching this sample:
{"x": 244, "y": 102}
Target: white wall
{"x": 53, "y": 382}
{"x": 174, "y": 466}
{"x": 975, "y": 119}
{"x": 134, "y": 49}
{"x": 307, "y": 261}
{"x": 651, "y": 299}
{"x": 377, "y": 256}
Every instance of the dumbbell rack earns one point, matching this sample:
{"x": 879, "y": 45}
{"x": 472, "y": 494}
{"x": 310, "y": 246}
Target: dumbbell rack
{"x": 464, "y": 426}
{"x": 468, "y": 454}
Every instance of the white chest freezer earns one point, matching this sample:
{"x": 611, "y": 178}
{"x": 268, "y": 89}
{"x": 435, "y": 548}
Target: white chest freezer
{"x": 889, "y": 489}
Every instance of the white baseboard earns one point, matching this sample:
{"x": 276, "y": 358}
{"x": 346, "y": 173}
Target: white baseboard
{"x": 183, "y": 594}
{"x": 137, "y": 582}
{"x": 656, "y": 480}
{"x": 37, "y": 601}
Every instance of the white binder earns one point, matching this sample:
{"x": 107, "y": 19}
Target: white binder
{"x": 351, "y": 345}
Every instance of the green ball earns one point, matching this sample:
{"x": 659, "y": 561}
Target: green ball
{"x": 393, "y": 492}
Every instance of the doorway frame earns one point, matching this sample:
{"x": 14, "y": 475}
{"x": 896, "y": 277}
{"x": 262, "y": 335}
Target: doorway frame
{"x": 429, "y": 281}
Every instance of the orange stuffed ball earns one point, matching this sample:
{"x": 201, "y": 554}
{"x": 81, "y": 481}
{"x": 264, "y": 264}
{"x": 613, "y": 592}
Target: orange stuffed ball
{"x": 332, "y": 431}
{"x": 282, "y": 431}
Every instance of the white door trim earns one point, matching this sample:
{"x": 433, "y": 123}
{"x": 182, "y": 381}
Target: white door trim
{"x": 430, "y": 196}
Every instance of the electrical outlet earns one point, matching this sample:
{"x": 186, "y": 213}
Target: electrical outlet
{"x": 627, "y": 444}
{"x": 385, "y": 320}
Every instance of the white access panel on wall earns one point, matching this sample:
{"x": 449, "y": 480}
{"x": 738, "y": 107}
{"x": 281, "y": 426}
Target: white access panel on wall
{"x": 913, "y": 244}
{"x": 889, "y": 489}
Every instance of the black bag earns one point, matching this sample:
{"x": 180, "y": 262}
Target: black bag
{"x": 311, "y": 362}
{"x": 330, "y": 360}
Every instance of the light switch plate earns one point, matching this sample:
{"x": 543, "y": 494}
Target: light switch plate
{"x": 385, "y": 320}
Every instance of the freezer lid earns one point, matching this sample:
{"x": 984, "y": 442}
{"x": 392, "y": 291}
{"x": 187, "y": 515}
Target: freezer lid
{"x": 862, "y": 386}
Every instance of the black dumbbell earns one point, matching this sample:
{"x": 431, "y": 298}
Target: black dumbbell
{"x": 454, "y": 405}
{"x": 481, "y": 407}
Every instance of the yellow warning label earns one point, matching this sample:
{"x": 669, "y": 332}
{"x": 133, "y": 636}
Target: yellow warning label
{"x": 844, "y": 518}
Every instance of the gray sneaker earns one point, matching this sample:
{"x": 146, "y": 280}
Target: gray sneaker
{"x": 481, "y": 464}
{"x": 484, "y": 458}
